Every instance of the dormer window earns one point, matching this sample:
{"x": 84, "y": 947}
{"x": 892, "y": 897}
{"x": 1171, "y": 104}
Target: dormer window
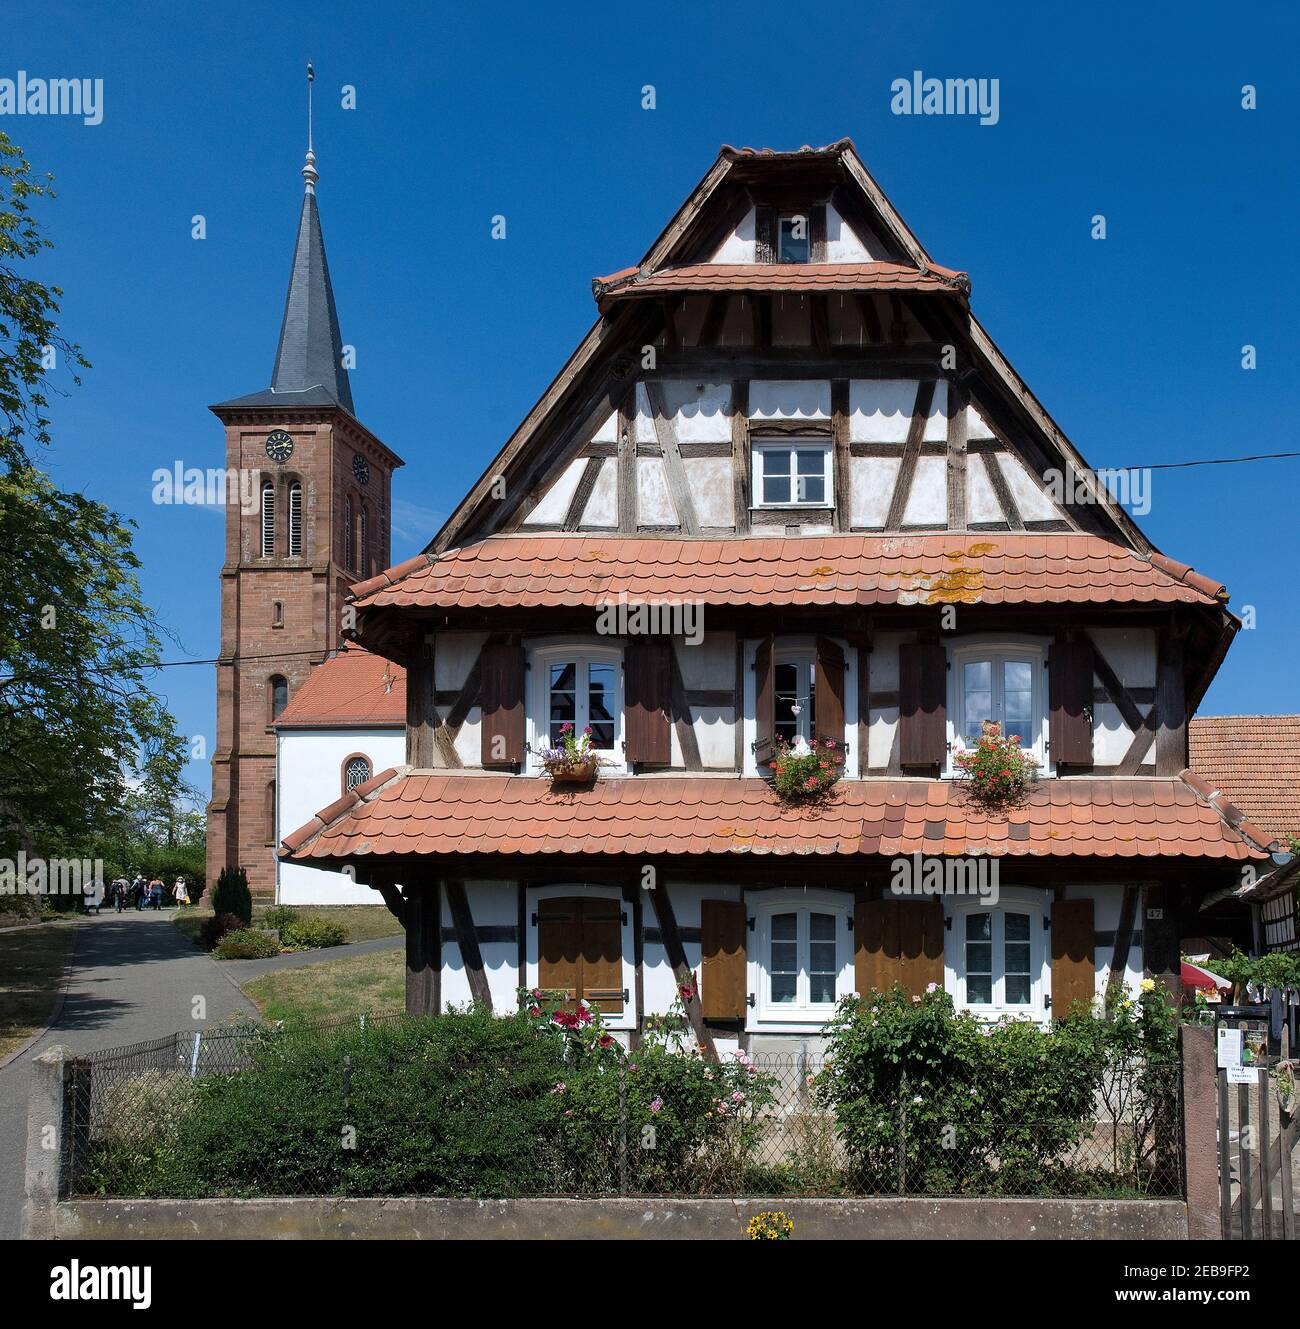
{"x": 793, "y": 238}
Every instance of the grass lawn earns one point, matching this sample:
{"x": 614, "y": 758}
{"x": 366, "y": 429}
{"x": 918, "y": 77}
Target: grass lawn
{"x": 333, "y": 989}
{"x": 31, "y": 973}
{"x": 364, "y": 922}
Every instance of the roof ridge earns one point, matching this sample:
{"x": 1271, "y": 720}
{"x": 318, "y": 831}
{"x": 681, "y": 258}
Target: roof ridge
{"x": 1232, "y": 816}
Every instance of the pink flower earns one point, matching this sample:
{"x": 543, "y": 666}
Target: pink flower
{"x": 656, "y": 1104}
{"x": 560, "y": 1087}
{"x": 737, "y": 1097}
{"x": 606, "y": 1041}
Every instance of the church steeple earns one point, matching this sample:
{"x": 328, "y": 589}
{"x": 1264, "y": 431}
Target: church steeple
{"x": 309, "y": 358}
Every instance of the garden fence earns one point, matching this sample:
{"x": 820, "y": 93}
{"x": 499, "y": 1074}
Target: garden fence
{"x": 312, "y": 1109}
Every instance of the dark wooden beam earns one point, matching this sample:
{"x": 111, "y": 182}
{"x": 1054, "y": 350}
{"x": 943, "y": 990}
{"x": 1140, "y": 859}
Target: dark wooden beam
{"x": 627, "y": 490}
{"x": 1171, "y": 736}
{"x": 956, "y": 450}
{"x": 685, "y": 730}
{"x": 1123, "y": 939}
{"x": 998, "y": 480}
{"x": 467, "y": 940}
{"x": 911, "y": 451}
{"x": 740, "y": 477}
{"x": 841, "y": 476}
{"x": 675, "y": 473}
{"x": 582, "y": 492}
{"x": 423, "y": 948}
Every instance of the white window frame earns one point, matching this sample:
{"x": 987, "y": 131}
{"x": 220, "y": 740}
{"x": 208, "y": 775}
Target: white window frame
{"x": 998, "y": 649}
{"x": 786, "y": 648}
{"x": 761, "y": 907}
{"x": 540, "y": 659}
{"x": 812, "y": 443}
{"x": 628, "y": 1018}
{"x": 1015, "y": 900}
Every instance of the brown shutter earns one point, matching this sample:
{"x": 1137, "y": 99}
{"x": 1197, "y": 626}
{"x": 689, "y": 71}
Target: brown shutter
{"x": 502, "y": 700}
{"x": 647, "y": 687}
{"x": 764, "y": 702}
{"x": 1073, "y": 965}
{"x": 602, "y": 954}
{"x": 559, "y": 947}
{"x": 923, "y": 704}
{"x": 830, "y": 690}
{"x": 764, "y": 235}
{"x": 1069, "y": 674}
{"x": 723, "y": 979}
{"x": 897, "y": 941}
{"x": 817, "y": 233}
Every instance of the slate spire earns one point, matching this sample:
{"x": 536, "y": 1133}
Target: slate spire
{"x": 309, "y": 358}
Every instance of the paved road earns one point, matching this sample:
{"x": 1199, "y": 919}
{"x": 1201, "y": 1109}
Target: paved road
{"x": 134, "y": 977}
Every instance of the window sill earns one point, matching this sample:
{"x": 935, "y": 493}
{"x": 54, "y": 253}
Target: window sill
{"x": 792, "y": 507}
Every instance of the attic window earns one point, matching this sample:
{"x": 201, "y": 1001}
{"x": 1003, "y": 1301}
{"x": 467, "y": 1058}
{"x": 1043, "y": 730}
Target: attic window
{"x": 793, "y": 238}
{"x": 792, "y": 474}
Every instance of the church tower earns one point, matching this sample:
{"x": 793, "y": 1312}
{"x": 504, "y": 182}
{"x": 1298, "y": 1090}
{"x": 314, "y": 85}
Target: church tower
{"x": 319, "y": 522}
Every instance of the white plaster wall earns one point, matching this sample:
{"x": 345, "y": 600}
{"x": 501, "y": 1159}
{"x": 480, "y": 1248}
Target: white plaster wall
{"x": 790, "y": 399}
{"x": 883, "y": 678}
{"x": 309, "y": 765}
{"x": 880, "y": 409}
{"x": 492, "y": 904}
{"x": 872, "y": 481}
{"x": 1131, "y": 653}
{"x": 700, "y": 412}
{"x": 927, "y": 501}
{"x": 976, "y": 425}
{"x": 554, "y": 504}
{"x": 740, "y": 246}
{"x": 654, "y": 503}
{"x": 843, "y": 245}
{"x": 711, "y": 664}
{"x": 608, "y": 432}
{"x": 981, "y": 498}
{"x": 602, "y": 506}
{"x": 644, "y": 423}
{"x": 712, "y": 489}
{"x": 1033, "y": 503}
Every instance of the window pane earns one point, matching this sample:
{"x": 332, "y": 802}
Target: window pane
{"x": 564, "y": 699}
{"x": 1017, "y": 958}
{"x": 822, "y": 968}
{"x": 793, "y": 240}
{"x": 979, "y": 991}
{"x": 776, "y": 476}
{"x": 810, "y": 467}
{"x": 977, "y": 682}
{"x": 979, "y": 957}
{"x": 979, "y": 927}
{"x": 1017, "y": 676}
{"x": 1017, "y": 986}
{"x": 812, "y": 489}
{"x": 1017, "y": 927}
{"x": 786, "y": 679}
{"x": 784, "y": 966}
{"x": 600, "y": 708}
{"x": 1018, "y": 698}
{"x": 564, "y": 677}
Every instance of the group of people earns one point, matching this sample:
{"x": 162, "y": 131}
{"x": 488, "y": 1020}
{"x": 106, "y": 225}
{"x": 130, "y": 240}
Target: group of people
{"x": 147, "y": 894}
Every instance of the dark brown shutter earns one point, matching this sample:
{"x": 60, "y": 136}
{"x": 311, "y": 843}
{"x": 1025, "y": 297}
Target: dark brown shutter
{"x": 897, "y": 941}
{"x": 830, "y": 690}
{"x": 723, "y": 980}
{"x": 502, "y": 701}
{"x": 559, "y": 947}
{"x": 923, "y": 704}
{"x": 602, "y": 954}
{"x": 647, "y": 687}
{"x": 1073, "y": 965}
{"x": 1069, "y": 674}
{"x": 817, "y": 233}
{"x": 764, "y": 702}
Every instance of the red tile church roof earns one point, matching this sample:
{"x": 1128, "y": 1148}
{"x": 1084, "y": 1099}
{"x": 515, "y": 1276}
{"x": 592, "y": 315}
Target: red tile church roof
{"x": 353, "y": 688}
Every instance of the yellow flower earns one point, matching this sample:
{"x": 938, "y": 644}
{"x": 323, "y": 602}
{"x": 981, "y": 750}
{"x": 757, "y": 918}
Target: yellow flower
{"x": 1148, "y": 985}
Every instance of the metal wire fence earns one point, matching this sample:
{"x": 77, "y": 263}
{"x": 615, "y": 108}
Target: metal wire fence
{"x": 386, "y": 1105}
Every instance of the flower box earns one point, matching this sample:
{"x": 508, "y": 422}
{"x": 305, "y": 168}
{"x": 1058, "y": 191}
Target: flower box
{"x": 583, "y": 774}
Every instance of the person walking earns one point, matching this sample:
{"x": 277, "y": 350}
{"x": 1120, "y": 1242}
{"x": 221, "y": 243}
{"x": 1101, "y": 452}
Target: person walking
{"x": 155, "y": 892}
{"x": 138, "y": 889}
{"x": 180, "y": 893}
{"x": 120, "y": 889}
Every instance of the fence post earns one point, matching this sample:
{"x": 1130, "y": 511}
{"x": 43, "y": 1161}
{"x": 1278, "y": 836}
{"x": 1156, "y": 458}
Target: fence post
{"x": 1200, "y": 1125}
{"x": 902, "y": 1135}
{"x": 622, "y": 1128}
{"x": 194, "y": 1056}
{"x": 46, "y": 1146}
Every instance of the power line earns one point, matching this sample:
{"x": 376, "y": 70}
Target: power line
{"x": 1209, "y": 461}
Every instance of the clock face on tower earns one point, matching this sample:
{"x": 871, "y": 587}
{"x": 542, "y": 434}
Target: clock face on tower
{"x": 361, "y": 469}
{"x": 279, "y": 446}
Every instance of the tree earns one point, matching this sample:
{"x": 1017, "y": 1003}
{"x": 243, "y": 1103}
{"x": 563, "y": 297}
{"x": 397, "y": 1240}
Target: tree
{"x": 81, "y": 734}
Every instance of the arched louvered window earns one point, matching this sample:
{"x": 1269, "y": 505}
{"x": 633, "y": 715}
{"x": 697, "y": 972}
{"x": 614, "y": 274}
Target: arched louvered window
{"x": 295, "y": 519}
{"x": 364, "y": 542}
{"x": 279, "y": 695}
{"x": 349, "y": 537}
{"x": 268, "y": 519}
{"x": 356, "y": 770}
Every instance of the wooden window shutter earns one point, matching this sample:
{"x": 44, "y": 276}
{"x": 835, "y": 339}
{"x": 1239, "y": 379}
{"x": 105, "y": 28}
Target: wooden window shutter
{"x": 1073, "y": 964}
{"x": 1069, "y": 678}
{"x": 723, "y": 979}
{"x": 602, "y": 954}
{"x": 501, "y": 697}
{"x": 647, "y": 689}
{"x": 764, "y": 702}
{"x": 817, "y": 233}
{"x": 559, "y": 947}
{"x": 830, "y": 690}
{"x": 897, "y": 941}
{"x": 923, "y": 703}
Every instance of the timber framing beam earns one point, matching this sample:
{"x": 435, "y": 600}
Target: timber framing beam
{"x": 467, "y": 940}
{"x": 911, "y": 452}
{"x": 676, "y": 952}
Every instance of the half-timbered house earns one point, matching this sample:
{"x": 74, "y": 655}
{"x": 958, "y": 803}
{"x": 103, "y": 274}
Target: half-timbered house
{"x": 788, "y": 423}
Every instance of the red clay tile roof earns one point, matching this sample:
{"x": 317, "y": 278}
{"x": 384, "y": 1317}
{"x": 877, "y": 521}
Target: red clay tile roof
{"x": 629, "y": 284}
{"x": 423, "y": 812}
{"x": 1255, "y": 761}
{"x": 808, "y": 570}
{"x": 352, "y": 688}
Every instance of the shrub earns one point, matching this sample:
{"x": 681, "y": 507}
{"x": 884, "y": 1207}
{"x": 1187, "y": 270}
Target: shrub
{"x": 310, "y": 934}
{"x": 213, "y": 929}
{"x": 802, "y": 775}
{"x": 996, "y": 771}
{"x": 248, "y": 944}
{"x": 231, "y": 895}
{"x": 279, "y": 917}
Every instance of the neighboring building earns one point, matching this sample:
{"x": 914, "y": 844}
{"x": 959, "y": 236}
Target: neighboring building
{"x": 346, "y": 722}
{"x": 787, "y": 418}
{"x": 1254, "y": 761}
{"x": 321, "y": 521}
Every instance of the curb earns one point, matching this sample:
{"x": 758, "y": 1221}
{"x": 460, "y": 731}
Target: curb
{"x": 55, "y": 1011}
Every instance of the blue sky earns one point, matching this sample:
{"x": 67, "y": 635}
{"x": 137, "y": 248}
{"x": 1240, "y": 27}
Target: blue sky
{"x": 1133, "y": 343}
